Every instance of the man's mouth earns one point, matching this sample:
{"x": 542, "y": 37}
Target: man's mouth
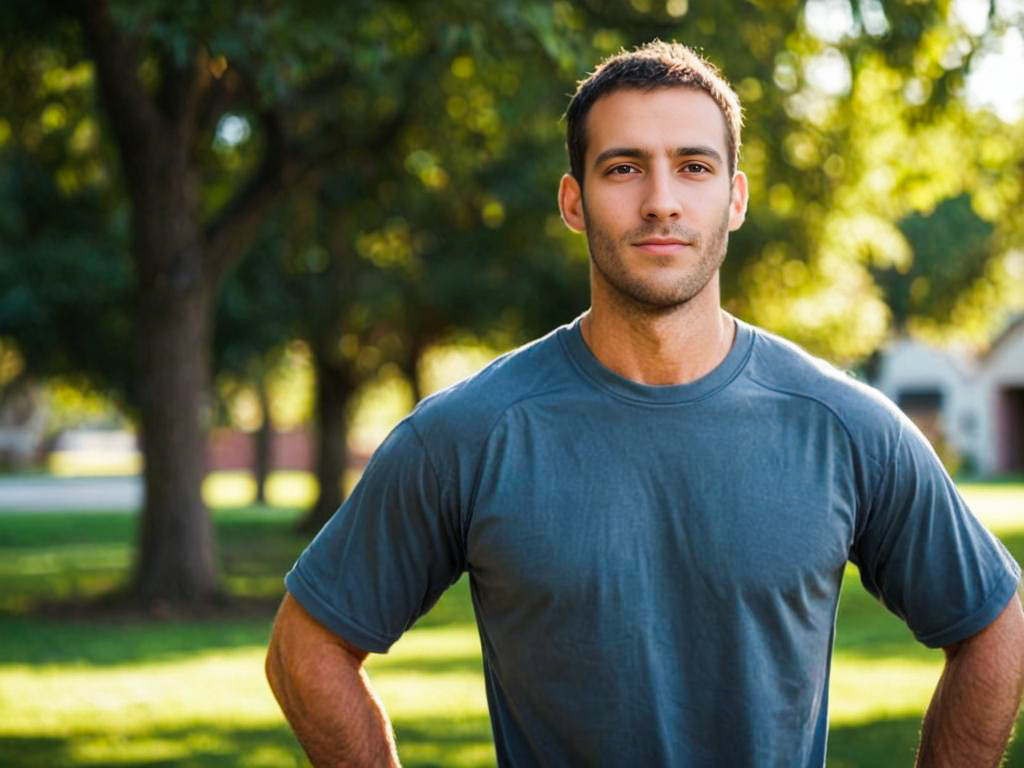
{"x": 661, "y": 245}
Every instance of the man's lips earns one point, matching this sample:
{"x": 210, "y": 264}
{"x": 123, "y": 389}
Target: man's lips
{"x": 661, "y": 245}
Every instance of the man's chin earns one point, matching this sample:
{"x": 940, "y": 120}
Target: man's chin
{"x": 653, "y": 300}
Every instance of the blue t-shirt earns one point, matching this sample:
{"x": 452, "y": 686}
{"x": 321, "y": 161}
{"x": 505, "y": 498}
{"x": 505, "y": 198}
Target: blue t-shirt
{"x": 655, "y": 570}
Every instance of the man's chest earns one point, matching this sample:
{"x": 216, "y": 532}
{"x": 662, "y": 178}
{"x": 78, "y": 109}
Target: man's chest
{"x": 570, "y": 505}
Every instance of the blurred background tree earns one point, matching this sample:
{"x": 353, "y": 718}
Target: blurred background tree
{"x": 439, "y": 231}
{"x": 373, "y": 179}
{"x": 949, "y": 248}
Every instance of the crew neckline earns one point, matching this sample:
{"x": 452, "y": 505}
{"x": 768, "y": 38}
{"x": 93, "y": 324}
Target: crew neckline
{"x": 571, "y": 338}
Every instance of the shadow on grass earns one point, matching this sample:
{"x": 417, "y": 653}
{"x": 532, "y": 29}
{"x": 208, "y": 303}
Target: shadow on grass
{"x": 32, "y": 640}
{"x": 439, "y": 742}
{"x": 36, "y": 639}
{"x": 422, "y": 742}
{"x": 70, "y": 559}
{"x": 890, "y": 743}
{"x": 254, "y": 538}
{"x": 875, "y": 744}
{"x": 469, "y": 664}
{"x": 54, "y": 566}
{"x": 201, "y": 747}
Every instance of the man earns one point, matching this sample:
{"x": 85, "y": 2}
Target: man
{"x": 655, "y": 504}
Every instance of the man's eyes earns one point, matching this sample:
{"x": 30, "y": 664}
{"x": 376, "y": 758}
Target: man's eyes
{"x": 624, "y": 169}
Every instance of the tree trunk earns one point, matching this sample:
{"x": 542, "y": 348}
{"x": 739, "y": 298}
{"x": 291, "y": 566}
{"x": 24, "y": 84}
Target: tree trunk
{"x": 411, "y": 364}
{"x": 175, "y": 561}
{"x": 335, "y": 386}
{"x": 263, "y": 441}
{"x": 179, "y": 264}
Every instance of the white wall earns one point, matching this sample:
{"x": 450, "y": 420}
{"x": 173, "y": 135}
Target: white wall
{"x": 913, "y": 365}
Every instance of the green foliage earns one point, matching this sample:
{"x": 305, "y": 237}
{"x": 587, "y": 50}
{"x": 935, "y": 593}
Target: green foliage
{"x": 65, "y": 285}
{"x": 438, "y": 192}
{"x": 950, "y": 248}
{"x": 441, "y": 229}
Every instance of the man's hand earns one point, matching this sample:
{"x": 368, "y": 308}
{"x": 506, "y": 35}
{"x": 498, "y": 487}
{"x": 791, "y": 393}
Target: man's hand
{"x": 319, "y": 681}
{"x": 975, "y": 704}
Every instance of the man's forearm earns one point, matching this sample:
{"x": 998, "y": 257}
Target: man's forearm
{"x": 971, "y": 715}
{"x": 326, "y": 696}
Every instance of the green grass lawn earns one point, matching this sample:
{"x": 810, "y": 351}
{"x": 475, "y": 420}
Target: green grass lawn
{"x": 79, "y": 691}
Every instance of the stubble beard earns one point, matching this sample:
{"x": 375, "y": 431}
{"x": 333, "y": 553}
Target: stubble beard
{"x": 647, "y": 296}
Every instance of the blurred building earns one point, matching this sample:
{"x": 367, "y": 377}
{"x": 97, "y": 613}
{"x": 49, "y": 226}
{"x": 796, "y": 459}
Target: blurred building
{"x": 229, "y": 448}
{"x": 22, "y": 428}
{"x": 94, "y": 451}
{"x": 90, "y": 451}
{"x": 970, "y": 406}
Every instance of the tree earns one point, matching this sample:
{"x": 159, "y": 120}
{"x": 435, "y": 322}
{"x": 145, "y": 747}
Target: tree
{"x": 435, "y": 226}
{"x": 949, "y": 248}
{"x": 448, "y": 231}
{"x": 165, "y": 76}
{"x": 180, "y": 258}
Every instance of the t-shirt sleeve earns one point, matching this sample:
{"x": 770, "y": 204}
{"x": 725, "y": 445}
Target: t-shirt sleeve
{"x": 388, "y": 553}
{"x": 925, "y": 555}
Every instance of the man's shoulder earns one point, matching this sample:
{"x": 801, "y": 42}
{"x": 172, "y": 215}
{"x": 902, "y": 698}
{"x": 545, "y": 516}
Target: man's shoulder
{"x": 472, "y": 406}
{"x": 782, "y": 366}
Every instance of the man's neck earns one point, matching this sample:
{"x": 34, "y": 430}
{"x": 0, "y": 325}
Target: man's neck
{"x": 659, "y": 348}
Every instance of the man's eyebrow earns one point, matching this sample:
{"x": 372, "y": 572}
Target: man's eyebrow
{"x": 631, "y": 152}
{"x": 642, "y": 154}
{"x": 699, "y": 151}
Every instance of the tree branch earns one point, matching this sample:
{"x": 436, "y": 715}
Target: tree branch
{"x": 285, "y": 165}
{"x": 234, "y": 228}
{"x": 134, "y": 120}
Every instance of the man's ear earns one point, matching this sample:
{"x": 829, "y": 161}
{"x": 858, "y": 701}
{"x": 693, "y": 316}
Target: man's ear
{"x": 738, "y": 201}
{"x": 570, "y": 203}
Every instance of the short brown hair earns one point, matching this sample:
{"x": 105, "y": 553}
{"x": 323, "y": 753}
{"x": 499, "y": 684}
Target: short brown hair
{"x": 654, "y": 65}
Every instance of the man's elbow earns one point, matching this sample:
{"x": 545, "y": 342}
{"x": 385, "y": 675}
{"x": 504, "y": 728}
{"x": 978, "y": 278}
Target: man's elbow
{"x": 1002, "y": 639}
{"x": 288, "y": 637}
{"x": 274, "y": 667}
{"x": 303, "y": 654}
{"x": 1011, "y": 622}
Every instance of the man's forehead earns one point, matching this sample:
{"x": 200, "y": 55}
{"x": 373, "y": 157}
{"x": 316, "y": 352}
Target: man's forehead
{"x": 674, "y": 115}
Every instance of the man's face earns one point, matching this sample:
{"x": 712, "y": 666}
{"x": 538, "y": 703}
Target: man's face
{"x": 657, "y": 203}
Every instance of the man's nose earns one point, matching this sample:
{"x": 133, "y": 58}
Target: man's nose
{"x": 661, "y": 201}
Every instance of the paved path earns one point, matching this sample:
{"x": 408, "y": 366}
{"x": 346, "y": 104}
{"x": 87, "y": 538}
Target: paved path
{"x": 50, "y": 494}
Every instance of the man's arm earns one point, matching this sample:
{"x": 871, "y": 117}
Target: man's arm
{"x": 319, "y": 681}
{"x": 970, "y": 717}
